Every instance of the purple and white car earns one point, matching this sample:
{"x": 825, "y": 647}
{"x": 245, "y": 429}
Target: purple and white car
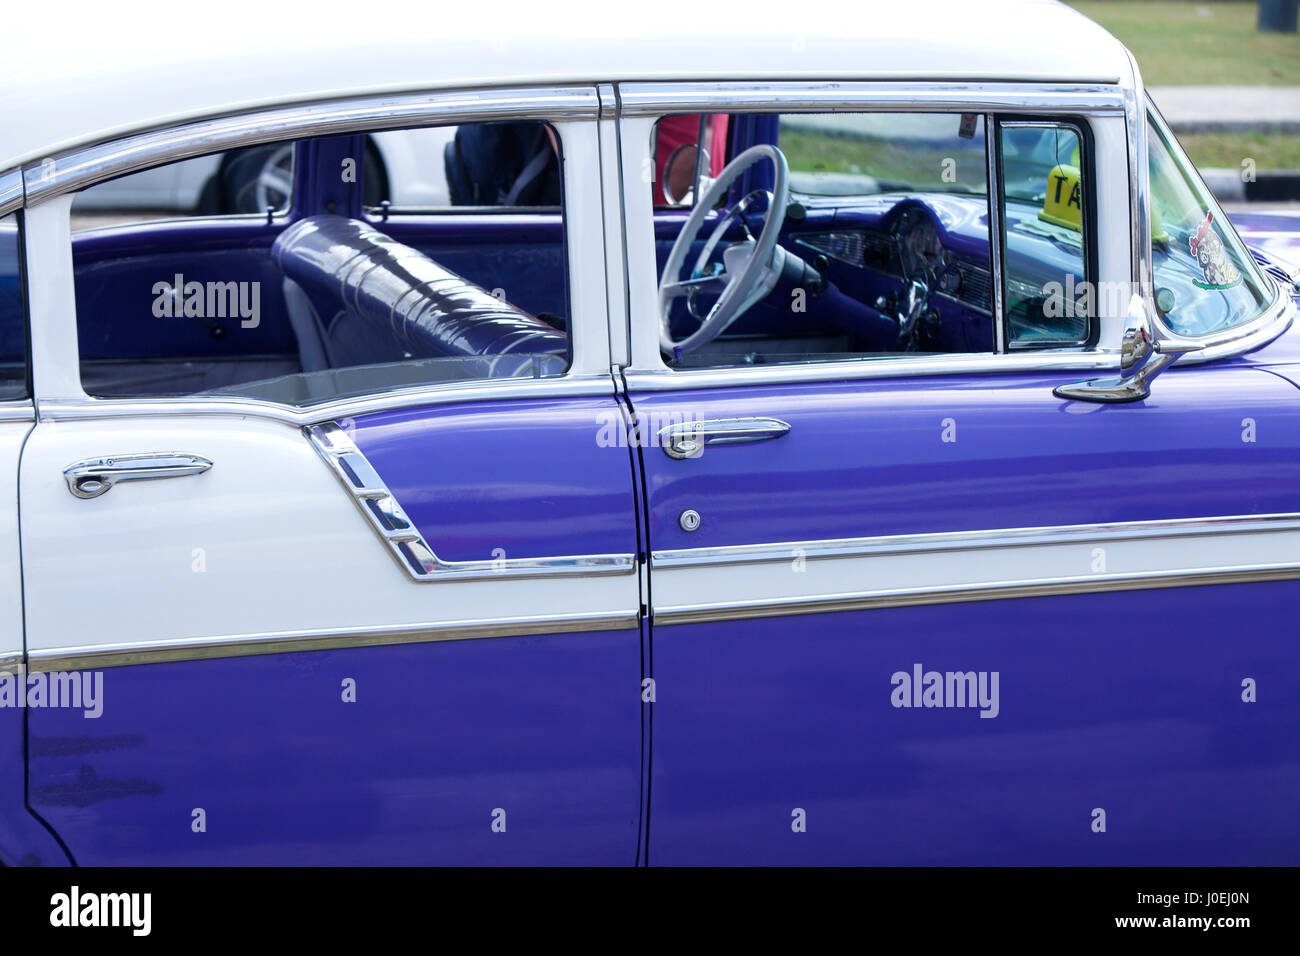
{"x": 927, "y": 492}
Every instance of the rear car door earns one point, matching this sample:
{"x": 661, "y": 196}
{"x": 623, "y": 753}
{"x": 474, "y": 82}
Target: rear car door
{"x": 378, "y": 604}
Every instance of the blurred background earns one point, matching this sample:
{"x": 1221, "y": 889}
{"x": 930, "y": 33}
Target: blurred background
{"x": 1226, "y": 75}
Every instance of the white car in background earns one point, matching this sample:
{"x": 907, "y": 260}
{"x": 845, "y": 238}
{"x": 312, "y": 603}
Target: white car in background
{"x": 260, "y": 177}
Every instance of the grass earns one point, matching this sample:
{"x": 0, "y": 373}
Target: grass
{"x": 1268, "y": 150}
{"x": 1199, "y": 44}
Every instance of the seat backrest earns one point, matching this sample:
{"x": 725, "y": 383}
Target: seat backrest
{"x": 376, "y": 300}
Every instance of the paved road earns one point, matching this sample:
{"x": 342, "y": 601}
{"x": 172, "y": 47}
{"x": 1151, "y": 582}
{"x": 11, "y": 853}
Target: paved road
{"x": 1208, "y": 109}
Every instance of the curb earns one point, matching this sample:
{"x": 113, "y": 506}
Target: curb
{"x": 1277, "y": 185}
{"x": 1289, "y": 127}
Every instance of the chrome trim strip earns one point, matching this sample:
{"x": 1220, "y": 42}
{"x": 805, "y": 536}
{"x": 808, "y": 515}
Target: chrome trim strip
{"x": 911, "y": 597}
{"x": 408, "y": 546}
{"x": 974, "y": 540}
{"x": 95, "y": 656}
{"x": 10, "y": 663}
{"x": 17, "y": 411}
{"x": 415, "y": 397}
{"x": 977, "y": 96}
{"x": 11, "y": 191}
{"x": 1139, "y": 183}
{"x": 81, "y": 167}
{"x": 997, "y": 241}
{"x": 901, "y": 365}
{"x": 1275, "y": 319}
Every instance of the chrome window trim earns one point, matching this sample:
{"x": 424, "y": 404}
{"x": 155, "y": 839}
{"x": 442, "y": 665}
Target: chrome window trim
{"x": 1274, "y": 319}
{"x": 11, "y": 191}
{"x": 975, "y": 540}
{"x": 997, "y": 239}
{"x": 564, "y": 106}
{"x": 665, "y": 379}
{"x": 1124, "y": 96}
{"x": 414, "y": 397}
{"x": 83, "y": 166}
{"x": 17, "y": 411}
{"x": 1089, "y": 268}
{"x": 1139, "y": 183}
{"x": 967, "y": 96}
{"x": 96, "y": 656}
{"x": 404, "y": 541}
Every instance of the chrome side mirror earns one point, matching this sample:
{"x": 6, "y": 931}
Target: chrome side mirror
{"x": 682, "y": 173}
{"x": 1136, "y": 362}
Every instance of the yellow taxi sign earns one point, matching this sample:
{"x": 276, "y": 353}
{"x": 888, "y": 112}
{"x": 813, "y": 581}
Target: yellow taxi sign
{"x": 1063, "y": 205}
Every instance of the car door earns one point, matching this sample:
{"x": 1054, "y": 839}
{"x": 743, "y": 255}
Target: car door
{"x": 396, "y": 627}
{"x": 23, "y": 840}
{"x": 922, "y": 610}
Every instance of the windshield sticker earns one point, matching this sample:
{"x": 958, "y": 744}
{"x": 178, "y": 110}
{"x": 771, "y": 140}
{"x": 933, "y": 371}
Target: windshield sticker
{"x": 1212, "y": 257}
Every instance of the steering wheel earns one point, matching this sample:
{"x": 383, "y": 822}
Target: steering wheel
{"x": 750, "y": 268}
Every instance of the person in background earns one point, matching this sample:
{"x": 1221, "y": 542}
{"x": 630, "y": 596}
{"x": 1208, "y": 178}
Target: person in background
{"x": 676, "y": 131}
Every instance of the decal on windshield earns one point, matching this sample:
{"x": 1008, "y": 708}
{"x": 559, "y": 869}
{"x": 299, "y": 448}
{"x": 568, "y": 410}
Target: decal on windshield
{"x": 1212, "y": 257}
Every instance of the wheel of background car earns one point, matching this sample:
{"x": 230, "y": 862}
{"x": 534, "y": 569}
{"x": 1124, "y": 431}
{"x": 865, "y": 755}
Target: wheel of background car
{"x": 750, "y": 268}
{"x": 252, "y": 179}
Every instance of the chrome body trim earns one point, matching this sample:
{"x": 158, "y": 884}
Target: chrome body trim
{"x": 997, "y": 241}
{"x": 22, "y": 411}
{"x": 974, "y": 540}
{"x": 415, "y": 397}
{"x": 903, "y": 365}
{"x": 407, "y": 545}
{"x": 11, "y": 191}
{"x": 1276, "y": 317}
{"x": 972, "y": 96}
{"x": 78, "y": 168}
{"x": 912, "y": 597}
{"x": 95, "y": 656}
{"x": 11, "y": 663}
{"x": 1139, "y": 182}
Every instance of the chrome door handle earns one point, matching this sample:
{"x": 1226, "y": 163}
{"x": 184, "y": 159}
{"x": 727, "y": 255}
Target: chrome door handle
{"x": 94, "y": 476}
{"x": 687, "y": 439}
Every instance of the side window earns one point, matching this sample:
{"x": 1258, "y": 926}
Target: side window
{"x": 248, "y": 181}
{"x": 13, "y": 327}
{"x": 883, "y": 249}
{"x": 274, "y": 306}
{"x": 1045, "y": 221}
{"x": 1205, "y": 280}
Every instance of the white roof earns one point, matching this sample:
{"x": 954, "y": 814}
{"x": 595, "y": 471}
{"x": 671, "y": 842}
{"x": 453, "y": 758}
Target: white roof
{"x": 70, "y": 76}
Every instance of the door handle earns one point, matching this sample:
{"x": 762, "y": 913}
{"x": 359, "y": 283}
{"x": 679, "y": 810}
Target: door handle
{"x": 687, "y": 439}
{"x": 94, "y": 476}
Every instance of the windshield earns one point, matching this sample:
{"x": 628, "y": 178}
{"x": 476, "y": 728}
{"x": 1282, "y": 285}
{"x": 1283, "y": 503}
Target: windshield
{"x": 1205, "y": 279}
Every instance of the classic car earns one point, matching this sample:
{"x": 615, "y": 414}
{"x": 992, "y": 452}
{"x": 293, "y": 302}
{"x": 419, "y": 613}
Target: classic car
{"x": 660, "y": 525}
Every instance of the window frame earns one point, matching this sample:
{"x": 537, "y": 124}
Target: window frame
{"x": 644, "y": 102}
{"x": 19, "y": 407}
{"x": 50, "y": 185}
{"x": 1088, "y": 173}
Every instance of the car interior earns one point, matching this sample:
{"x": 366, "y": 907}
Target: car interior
{"x": 880, "y": 224}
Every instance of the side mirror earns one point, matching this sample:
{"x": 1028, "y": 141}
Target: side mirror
{"x": 681, "y": 171}
{"x": 1136, "y": 363}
